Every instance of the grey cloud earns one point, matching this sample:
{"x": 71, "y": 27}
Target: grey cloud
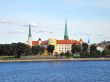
{"x": 42, "y": 31}
{"x": 16, "y": 31}
{"x": 24, "y": 23}
{"x": 7, "y": 21}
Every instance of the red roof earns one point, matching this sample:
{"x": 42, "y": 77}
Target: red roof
{"x": 45, "y": 42}
{"x": 68, "y": 42}
{"x": 58, "y": 42}
{"x": 34, "y": 42}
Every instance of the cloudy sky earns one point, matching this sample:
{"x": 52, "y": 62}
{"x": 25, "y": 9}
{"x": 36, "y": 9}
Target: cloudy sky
{"x": 87, "y": 19}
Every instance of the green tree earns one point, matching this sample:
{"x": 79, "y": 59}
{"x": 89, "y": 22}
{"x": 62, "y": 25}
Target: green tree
{"x": 14, "y": 48}
{"x": 50, "y": 49}
{"x": 93, "y": 54}
{"x": 93, "y": 48}
{"x": 68, "y": 54}
{"x": 62, "y": 54}
{"x": 35, "y": 49}
{"x": 84, "y": 54}
{"x": 38, "y": 50}
{"x": 108, "y": 47}
{"x": 85, "y": 46}
{"x": 27, "y": 50}
{"x": 20, "y": 49}
{"x": 99, "y": 53}
{"x": 41, "y": 50}
{"x": 76, "y": 48}
{"x": 105, "y": 53}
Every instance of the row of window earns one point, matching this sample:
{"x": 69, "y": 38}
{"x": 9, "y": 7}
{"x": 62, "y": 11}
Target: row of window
{"x": 63, "y": 45}
{"x": 63, "y": 51}
{"x": 64, "y": 48}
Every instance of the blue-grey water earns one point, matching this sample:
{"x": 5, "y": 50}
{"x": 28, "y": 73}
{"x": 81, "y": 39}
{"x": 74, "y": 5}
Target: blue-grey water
{"x": 62, "y": 71}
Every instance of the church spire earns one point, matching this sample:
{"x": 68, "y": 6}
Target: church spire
{"x": 29, "y": 31}
{"x": 66, "y": 37}
{"x": 29, "y": 36}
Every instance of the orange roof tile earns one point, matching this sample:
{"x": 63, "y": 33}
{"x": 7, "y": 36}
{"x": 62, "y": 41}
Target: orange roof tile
{"x": 68, "y": 42}
{"x": 58, "y": 42}
{"x": 34, "y": 42}
{"x": 45, "y": 42}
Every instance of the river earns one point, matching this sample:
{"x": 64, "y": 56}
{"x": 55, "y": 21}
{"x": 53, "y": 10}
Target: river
{"x": 59, "y": 71}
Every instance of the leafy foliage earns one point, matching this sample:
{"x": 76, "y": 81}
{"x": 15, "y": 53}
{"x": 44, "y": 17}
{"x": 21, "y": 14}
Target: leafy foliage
{"x": 14, "y": 49}
{"x": 50, "y": 48}
{"x": 38, "y": 50}
{"x": 76, "y": 48}
{"x": 68, "y": 54}
{"x": 85, "y": 46}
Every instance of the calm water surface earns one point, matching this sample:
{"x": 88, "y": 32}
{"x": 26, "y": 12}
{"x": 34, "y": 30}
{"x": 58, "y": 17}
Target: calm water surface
{"x": 66, "y": 71}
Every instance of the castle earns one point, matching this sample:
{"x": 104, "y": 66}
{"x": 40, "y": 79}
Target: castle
{"x": 60, "y": 45}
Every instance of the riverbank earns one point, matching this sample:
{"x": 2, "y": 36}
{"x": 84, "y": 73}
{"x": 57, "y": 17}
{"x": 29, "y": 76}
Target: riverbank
{"x": 66, "y": 59}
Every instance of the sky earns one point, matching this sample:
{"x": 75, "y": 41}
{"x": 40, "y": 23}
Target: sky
{"x": 87, "y": 19}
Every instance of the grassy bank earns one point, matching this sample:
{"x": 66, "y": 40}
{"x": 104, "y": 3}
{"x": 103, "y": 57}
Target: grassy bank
{"x": 66, "y": 59}
{"x": 6, "y": 57}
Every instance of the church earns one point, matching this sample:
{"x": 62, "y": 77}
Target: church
{"x": 60, "y": 45}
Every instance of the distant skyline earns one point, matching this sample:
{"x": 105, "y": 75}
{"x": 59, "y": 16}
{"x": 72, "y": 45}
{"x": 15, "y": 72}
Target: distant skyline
{"x": 86, "y": 19}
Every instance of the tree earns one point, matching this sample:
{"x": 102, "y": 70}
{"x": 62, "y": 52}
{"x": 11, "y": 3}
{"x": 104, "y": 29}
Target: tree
{"x": 41, "y": 50}
{"x": 27, "y": 50}
{"x": 105, "y": 53}
{"x": 38, "y": 50}
{"x": 62, "y": 54}
{"x": 5, "y": 49}
{"x": 93, "y": 48}
{"x": 35, "y": 49}
{"x": 68, "y": 54}
{"x": 99, "y": 53}
{"x": 94, "y": 52}
{"x": 84, "y": 54}
{"x": 50, "y": 49}
{"x": 20, "y": 49}
{"x": 14, "y": 49}
{"x": 76, "y": 48}
{"x": 85, "y": 46}
{"x": 108, "y": 47}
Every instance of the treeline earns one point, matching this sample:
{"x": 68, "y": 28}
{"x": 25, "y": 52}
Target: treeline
{"x": 18, "y": 49}
{"x": 14, "y": 49}
{"x": 86, "y": 51}
{"x": 77, "y": 50}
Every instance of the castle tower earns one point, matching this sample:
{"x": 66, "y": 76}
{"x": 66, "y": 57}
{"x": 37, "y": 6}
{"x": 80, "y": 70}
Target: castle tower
{"x": 66, "y": 37}
{"x": 29, "y": 36}
{"x": 39, "y": 41}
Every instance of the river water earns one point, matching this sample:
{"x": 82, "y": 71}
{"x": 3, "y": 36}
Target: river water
{"x": 60, "y": 71}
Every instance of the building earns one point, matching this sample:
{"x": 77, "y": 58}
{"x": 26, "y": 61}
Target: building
{"x": 60, "y": 45}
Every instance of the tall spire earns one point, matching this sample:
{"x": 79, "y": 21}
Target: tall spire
{"x": 29, "y": 31}
{"x": 88, "y": 41}
{"x": 66, "y": 37}
{"x": 30, "y": 37}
